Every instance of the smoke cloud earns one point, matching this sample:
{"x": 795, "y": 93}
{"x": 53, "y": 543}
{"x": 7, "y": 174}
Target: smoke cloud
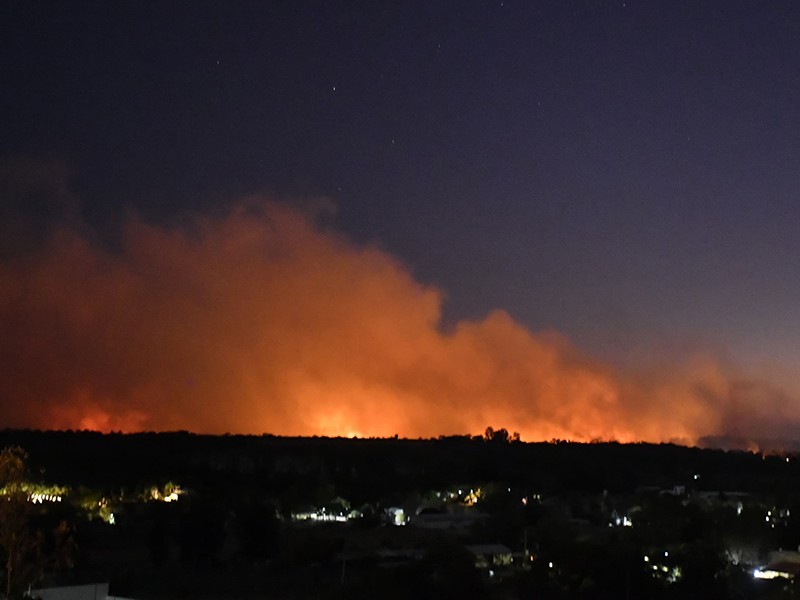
{"x": 259, "y": 320}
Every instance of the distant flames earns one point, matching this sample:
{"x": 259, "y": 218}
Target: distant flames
{"x": 260, "y": 321}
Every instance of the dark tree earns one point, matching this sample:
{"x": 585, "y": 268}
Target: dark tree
{"x": 17, "y": 543}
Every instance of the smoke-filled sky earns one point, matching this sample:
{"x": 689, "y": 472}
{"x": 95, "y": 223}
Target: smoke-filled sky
{"x": 570, "y": 219}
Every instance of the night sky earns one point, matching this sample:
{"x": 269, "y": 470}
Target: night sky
{"x": 571, "y": 219}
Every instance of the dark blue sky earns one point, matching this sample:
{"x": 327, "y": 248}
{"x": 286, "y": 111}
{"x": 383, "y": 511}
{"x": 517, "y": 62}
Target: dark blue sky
{"x": 624, "y": 172}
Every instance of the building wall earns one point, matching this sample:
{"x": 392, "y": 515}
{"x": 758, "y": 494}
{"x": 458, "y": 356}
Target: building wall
{"x": 92, "y": 591}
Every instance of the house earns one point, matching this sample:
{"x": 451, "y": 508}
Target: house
{"x": 446, "y": 520}
{"x": 92, "y": 591}
{"x": 780, "y": 564}
{"x": 491, "y": 555}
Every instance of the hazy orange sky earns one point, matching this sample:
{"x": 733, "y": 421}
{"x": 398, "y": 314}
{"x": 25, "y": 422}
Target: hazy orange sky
{"x": 262, "y": 319}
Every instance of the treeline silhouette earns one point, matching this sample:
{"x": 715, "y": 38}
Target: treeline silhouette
{"x": 364, "y": 469}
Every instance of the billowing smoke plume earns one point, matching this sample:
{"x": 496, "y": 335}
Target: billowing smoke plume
{"x": 259, "y": 320}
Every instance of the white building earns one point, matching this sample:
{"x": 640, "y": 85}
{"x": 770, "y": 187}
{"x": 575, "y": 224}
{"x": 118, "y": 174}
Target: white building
{"x": 91, "y": 591}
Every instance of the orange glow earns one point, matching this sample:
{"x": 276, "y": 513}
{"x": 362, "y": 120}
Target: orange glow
{"x": 259, "y": 321}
